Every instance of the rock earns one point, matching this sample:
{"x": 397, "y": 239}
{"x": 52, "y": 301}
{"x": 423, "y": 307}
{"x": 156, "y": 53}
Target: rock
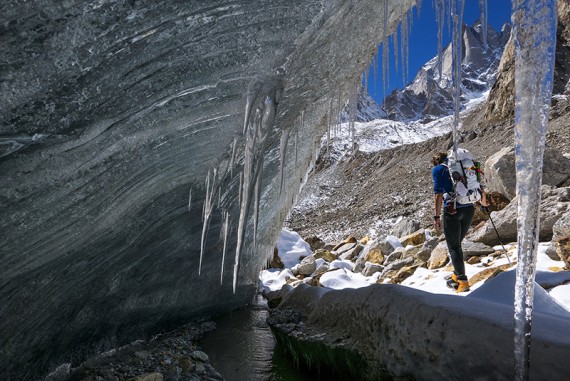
{"x": 325, "y": 254}
{"x": 500, "y": 170}
{"x": 438, "y": 257}
{"x": 397, "y": 254}
{"x": 329, "y": 246}
{"x": 404, "y": 273}
{"x": 150, "y": 377}
{"x": 200, "y": 368}
{"x": 348, "y": 240}
{"x": 427, "y": 247}
{"x": 275, "y": 262}
{"x": 201, "y": 356}
{"x": 496, "y": 200}
{"x": 343, "y": 248}
{"x": 471, "y": 249}
{"x": 364, "y": 240}
{"x": 323, "y": 268}
{"x": 352, "y": 253}
{"x": 561, "y": 238}
{"x": 474, "y": 260}
{"x": 371, "y": 268}
{"x": 551, "y": 250}
{"x": 375, "y": 255}
{"x": 555, "y": 202}
{"x": 405, "y": 227}
{"x": 307, "y": 266}
{"x": 315, "y": 243}
{"x": 416, "y": 238}
{"x": 359, "y": 265}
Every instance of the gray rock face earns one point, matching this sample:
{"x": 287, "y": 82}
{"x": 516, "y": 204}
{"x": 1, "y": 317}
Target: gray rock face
{"x": 501, "y": 176}
{"x": 118, "y": 127}
{"x": 554, "y": 204}
{"x": 429, "y": 95}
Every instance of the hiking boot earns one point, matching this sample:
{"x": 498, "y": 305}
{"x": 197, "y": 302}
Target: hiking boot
{"x": 459, "y": 283}
{"x": 451, "y": 281}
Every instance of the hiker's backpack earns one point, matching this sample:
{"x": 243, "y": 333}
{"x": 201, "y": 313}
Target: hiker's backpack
{"x": 465, "y": 175}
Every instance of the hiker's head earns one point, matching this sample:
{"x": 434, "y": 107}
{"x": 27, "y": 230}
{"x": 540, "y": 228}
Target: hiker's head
{"x": 439, "y": 158}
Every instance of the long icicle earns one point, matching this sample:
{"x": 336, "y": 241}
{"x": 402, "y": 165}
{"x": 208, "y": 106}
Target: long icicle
{"x": 457, "y": 17}
{"x": 534, "y": 31}
{"x": 483, "y": 16}
{"x": 225, "y": 231}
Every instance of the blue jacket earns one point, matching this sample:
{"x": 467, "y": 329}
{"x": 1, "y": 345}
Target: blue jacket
{"x": 442, "y": 183}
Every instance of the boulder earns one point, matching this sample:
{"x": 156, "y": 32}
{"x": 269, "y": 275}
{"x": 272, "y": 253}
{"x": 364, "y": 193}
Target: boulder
{"x": 375, "y": 255}
{"x": 500, "y": 170}
{"x": 405, "y": 227}
{"x": 343, "y": 248}
{"x": 555, "y": 202}
{"x": 397, "y": 254}
{"x": 475, "y": 249}
{"x": 325, "y": 254}
{"x": 307, "y": 266}
{"x": 352, "y": 253}
{"x": 438, "y": 257}
{"x": 403, "y": 274}
{"x": 348, "y": 240}
{"x": 561, "y": 238}
{"x": 496, "y": 200}
{"x": 275, "y": 262}
{"x": 315, "y": 243}
{"x": 371, "y": 268}
{"x": 416, "y": 238}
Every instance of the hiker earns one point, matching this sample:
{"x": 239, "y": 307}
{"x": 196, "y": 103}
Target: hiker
{"x": 456, "y": 218}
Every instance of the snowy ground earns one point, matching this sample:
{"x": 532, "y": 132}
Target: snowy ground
{"x": 292, "y": 248}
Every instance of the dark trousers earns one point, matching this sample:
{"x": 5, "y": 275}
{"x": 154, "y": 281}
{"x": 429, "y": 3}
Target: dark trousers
{"x": 455, "y": 226}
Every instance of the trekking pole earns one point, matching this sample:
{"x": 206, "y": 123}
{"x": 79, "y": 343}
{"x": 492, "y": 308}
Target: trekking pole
{"x": 498, "y": 236}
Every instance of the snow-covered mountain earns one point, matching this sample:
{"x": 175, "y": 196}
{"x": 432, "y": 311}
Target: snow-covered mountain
{"x": 429, "y": 95}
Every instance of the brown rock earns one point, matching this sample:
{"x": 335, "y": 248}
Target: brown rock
{"x": 438, "y": 257}
{"x": 325, "y": 254}
{"x": 489, "y": 273}
{"x": 275, "y": 262}
{"x": 315, "y": 243}
{"x": 350, "y": 239}
{"x": 416, "y": 238}
{"x": 561, "y": 238}
{"x": 375, "y": 255}
{"x": 404, "y": 273}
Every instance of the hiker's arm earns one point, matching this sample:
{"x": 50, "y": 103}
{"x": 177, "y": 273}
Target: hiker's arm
{"x": 438, "y": 201}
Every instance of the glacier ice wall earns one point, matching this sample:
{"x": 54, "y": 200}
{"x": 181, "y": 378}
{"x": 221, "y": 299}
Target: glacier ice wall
{"x": 122, "y": 136}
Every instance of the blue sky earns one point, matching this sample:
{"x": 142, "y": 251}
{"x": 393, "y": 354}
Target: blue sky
{"x": 423, "y": 40}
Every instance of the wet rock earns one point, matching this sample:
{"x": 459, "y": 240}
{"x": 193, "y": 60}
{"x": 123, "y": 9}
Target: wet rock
{"x": 150, "y": 377}
{"x": 201, "y": 356}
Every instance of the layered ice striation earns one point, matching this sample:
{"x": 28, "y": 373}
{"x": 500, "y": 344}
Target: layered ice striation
{"x": 134, "y": 157}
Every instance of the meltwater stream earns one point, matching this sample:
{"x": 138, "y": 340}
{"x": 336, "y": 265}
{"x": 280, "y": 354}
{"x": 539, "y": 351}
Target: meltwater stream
{"x": 242, "y": 348}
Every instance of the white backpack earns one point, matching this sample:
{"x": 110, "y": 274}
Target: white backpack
{"x": 465, "y": 174}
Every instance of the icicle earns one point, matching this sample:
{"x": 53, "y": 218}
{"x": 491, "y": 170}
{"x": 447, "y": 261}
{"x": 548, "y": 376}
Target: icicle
{"x": 404, "y": 43}
{"x": 329, "y": 126}
{"x": 457, "y": 17}
{"x": 282, "y": 152}
{"x": 440, "y": 17}
{"x": 224, "y": 232}
{"x": 395, "y": 47}
{"x": 190, "y": 200}
{"x": 352, "y": 110}
{"x": 256, "y": 201}
{"x": 207, "y": 211}
{"x": 483, "y": 17}
{"x": 256, "y": 132}
{"x": 534, "y": 28}
{"x": 385, "y": 53}
{"x": 233, "y": 158}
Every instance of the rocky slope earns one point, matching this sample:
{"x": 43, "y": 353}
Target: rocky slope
{"x": 370, "y": 190}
